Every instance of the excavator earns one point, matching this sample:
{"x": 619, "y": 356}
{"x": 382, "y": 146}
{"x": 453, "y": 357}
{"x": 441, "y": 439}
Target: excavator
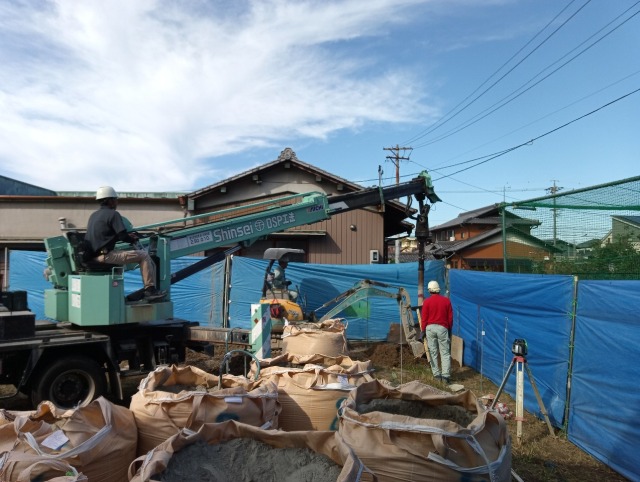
{"x": 283, "y": 304}
{"x": 283, "y": 309}
{"x": 98, "y": 334}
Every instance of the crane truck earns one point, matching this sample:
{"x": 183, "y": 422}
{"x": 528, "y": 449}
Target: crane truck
{"x": 95, "y": 334}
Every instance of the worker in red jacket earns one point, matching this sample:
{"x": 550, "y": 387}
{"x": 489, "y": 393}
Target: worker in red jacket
{"x": 436, "y": 322}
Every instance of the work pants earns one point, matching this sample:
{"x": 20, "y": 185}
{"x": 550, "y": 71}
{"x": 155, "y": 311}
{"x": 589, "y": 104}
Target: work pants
{"x": 139, "y": 256}
{"x": 438, "y": 344}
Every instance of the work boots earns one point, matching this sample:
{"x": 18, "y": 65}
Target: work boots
{"x": 152, "y": 294}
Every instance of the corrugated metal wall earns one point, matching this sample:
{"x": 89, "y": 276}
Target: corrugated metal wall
{"x": 343, "y": 245}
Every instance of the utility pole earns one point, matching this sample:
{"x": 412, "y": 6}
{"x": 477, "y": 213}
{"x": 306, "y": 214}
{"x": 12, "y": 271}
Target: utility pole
{"x": 553, "y": 190}
{"x": 396, "y": 158}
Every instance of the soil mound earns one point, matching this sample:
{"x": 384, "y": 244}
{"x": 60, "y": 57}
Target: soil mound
{"x": 411, "y": 408}
{"x": 187, "y": 388}
{"x": 237, "y": 364}
{"x": 248, "y": 459}
{"x": 387, "y": 355}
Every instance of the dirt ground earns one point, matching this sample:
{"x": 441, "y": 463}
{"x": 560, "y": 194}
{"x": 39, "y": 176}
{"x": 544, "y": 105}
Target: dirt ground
{"x": 539, "y": 457}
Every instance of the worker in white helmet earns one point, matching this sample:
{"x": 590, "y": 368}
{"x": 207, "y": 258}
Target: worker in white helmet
{"x": 436, "y": 322}
{"x": 105, "y": 228}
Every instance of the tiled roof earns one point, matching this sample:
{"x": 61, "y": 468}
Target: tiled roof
{"x": 451, "y": 247}
{"x": 466, "y": 216}
{"x": 286, "y": 155}
{"x": 488, "y": 215}
{"x": 629, "y": 219}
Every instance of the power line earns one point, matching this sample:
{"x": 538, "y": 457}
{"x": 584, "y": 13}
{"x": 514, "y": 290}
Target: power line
{"x": 490, "y": 157}
{"x": 515, "y": 94}
{"x": 531, "y": 141}
{"x": 501, "y": 153}
{"x": 442, "y": 120}
{"x": 480, "y": 190}
{"x": 602, "y": 89}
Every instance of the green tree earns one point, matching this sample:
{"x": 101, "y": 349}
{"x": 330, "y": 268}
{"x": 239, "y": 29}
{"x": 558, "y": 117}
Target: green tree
{"x": 619, "y": 259}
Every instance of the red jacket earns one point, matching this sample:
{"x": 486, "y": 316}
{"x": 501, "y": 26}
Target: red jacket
{"x": 436, "y": 309}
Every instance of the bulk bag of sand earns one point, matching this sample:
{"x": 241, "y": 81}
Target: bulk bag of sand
{"x": 31, "y": 468}
{"x": 310, "y": 393}
{"x": 172, "y": 398}
{"x": 15, "y": 423}
{"x": 8, "y": 416}
{"x": 236, "y": 451}
{"x": 326, "y": 338}
{"x": 292, "y": 360}
{"x": 412, "y": 433}
{"x": 99, "y": 440}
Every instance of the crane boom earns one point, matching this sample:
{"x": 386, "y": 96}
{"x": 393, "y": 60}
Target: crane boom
{"x": 420, "y": 187}
{"x": 224, "y": 229}
{"x": 98, "y": 327}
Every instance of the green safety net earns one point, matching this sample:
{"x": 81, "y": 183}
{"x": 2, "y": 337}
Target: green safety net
{"x": 592, "y": 233}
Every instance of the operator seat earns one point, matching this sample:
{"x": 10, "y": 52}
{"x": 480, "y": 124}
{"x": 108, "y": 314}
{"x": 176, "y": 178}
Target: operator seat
{"x": 82, "y": 255}
{"x": 272, "y": 293}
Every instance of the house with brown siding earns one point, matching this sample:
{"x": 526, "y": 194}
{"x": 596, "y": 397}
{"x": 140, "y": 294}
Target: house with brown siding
{"x": 346, "y": 238}
{"x": 474, "y": 240}
{"x": 29, "y": 214}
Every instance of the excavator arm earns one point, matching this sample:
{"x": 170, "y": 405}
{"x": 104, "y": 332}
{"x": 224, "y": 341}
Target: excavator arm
{"x": 367, "y": 288}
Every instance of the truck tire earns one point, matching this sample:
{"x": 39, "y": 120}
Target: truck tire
{"x": 69, "y": 382}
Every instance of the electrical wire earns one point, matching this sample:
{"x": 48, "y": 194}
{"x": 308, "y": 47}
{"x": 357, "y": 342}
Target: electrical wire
{"x": 501, "y": 153}
{"x": 602, "y": 89}
{"x": 531, "y": 141}
{"x": 519, "y": 92}
{"x": 442, "y": 120}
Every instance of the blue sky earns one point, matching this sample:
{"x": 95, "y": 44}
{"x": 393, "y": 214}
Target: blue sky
{"x": 157, "y": 95}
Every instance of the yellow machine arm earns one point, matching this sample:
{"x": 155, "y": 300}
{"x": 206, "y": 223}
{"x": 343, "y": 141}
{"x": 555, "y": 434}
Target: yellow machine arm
{"x": 366, "y": 288}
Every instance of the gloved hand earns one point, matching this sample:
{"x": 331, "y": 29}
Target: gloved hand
{"x": 422, "y": 335}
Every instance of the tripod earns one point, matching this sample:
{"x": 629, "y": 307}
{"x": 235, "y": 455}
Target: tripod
{"x": 520, "y": 363}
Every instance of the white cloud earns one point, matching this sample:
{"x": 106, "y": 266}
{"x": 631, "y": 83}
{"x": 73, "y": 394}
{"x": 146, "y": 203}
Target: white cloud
{"x": 139, "y": 94}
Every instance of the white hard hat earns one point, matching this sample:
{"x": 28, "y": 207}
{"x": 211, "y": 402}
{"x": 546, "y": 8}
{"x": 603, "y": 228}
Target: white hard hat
{"x": 105, "y": 192}
{"x": 433, "y": 287}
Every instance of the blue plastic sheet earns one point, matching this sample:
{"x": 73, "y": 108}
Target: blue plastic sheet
{"x": 491, "y": 310}
{"x": 27, "y": 274}
{"x": 320, "y": 283}
{"x": 196, "y": 298}
{"x": 604, "y": 399}
{"x": 200, "y": 296}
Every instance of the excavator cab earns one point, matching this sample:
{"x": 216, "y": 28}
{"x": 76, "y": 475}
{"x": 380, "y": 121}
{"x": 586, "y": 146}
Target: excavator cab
{"x": 282, "y": 300}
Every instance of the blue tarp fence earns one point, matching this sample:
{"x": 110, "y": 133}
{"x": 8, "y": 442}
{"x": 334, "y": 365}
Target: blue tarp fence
{"x": 197, "y": 298}
{"x": 585, "y": 331}
{"x": 604, "y": 403}
{"x": 200, "y": 297}
{"x": 319, "y": 283}
{"x": 491, "y": 310}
